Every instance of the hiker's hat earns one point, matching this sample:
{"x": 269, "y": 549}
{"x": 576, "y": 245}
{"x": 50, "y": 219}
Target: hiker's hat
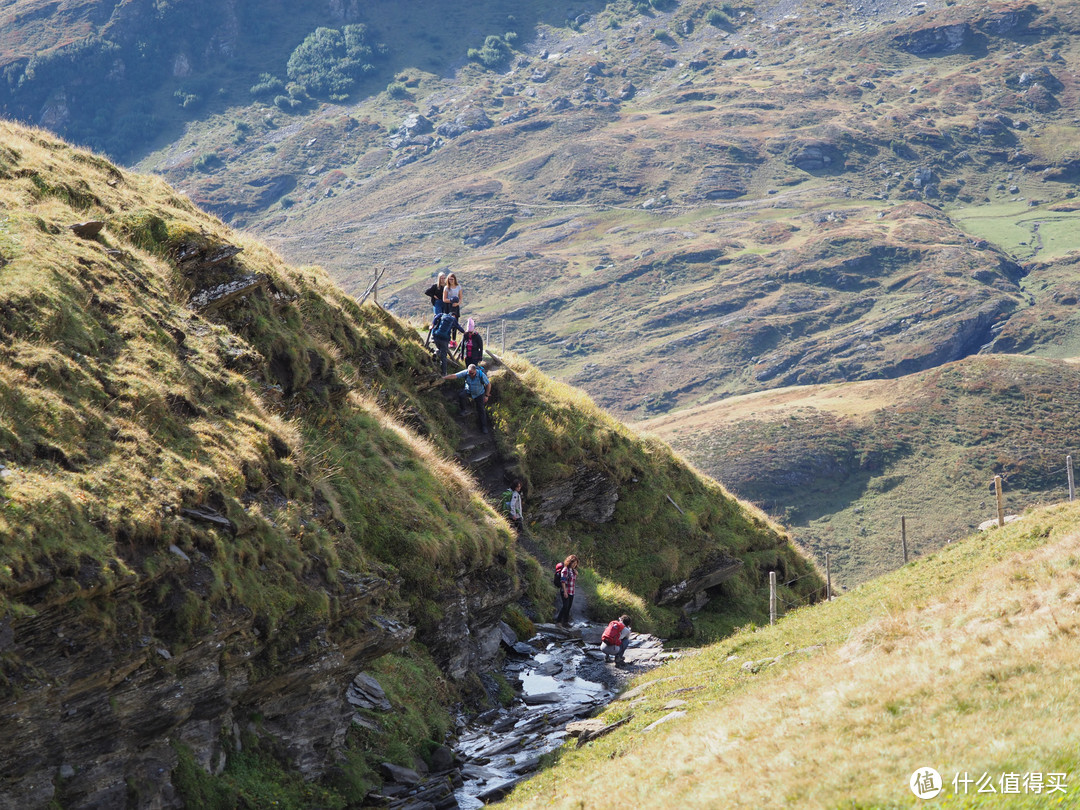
{"x": 470, "y": 325}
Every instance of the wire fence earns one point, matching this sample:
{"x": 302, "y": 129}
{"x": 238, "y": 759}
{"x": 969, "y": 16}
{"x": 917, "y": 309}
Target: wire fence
{"x": 785, "y": 600}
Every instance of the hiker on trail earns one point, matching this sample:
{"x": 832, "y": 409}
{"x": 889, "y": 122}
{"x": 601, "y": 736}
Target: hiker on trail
{"x": 452, "y": 298}
{"x": 616, "y": 639}
{"x": 441, "y": 330}
{"x": 559, "y": 590}
{"x": 515, "y": 507}
{"x": 477, "y": 390}
{"x": 569, "y": 580}
{"x": 435, "y": 293}
{"x": 472, "y": 345}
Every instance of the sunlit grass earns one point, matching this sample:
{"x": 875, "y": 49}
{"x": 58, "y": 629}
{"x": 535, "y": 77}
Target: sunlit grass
{"x": 962, "y": 661}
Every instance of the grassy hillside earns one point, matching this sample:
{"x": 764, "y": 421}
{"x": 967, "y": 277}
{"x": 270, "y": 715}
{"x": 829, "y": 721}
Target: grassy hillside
{"x": 202, "y": 445}
{"x": 669, "y": 521}
{"x": 842, "y": 463}
{"x": 960, "y": 661}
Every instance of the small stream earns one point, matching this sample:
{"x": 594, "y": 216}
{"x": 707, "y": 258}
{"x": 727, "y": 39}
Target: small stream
{"x": 561, "y": 676}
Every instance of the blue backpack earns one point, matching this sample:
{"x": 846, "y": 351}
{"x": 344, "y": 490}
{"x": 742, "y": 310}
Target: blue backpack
{"x": 443, "y": 326}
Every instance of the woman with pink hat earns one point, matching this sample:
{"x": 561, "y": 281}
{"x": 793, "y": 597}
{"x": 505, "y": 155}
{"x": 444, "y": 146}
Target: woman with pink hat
{"x": 472, "y": 345}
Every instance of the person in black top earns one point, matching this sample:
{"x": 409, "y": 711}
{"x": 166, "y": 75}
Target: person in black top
{"x": 472, "y": 345}
{"x": 435, "y": 293}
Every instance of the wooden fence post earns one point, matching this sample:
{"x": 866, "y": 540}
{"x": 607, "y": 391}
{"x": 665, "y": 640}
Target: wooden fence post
{"x": 772, "y": 597}
{"x": 828, "y": 578}
{"x": 1068, "y": 469}
{"x": 502, "y": 343}
{"x": 903, "y": 536}
{"x": 1000, "y": 501}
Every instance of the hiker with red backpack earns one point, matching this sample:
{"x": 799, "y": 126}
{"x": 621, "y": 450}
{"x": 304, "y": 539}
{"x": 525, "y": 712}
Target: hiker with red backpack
{"x": 568, "y": 581}
{"x": 615, "y": 640}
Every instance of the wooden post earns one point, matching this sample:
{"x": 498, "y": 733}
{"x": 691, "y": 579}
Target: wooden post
{"x": 772, "y": 597}
{"x": 903, "y": 536}
{"x": 375, "y": 292}
{"x": 1068, "y": 469}
{"x": 487, "y": 337}
{"x": 1000, "y": 501}
{"x": 828, "y": 578}
{"x": 502, "y": 343}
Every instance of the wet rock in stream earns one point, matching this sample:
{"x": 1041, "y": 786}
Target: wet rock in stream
{"x": 562, "y": 679}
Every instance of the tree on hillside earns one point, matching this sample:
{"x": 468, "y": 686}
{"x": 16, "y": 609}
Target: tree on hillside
{"x": 328, "y": 62}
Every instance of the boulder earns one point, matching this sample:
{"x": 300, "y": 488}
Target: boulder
{"x": 704, "y": 577}
{"x": 939, "y": 39}
{"x": 470, "y": 120}
{"x": 589, "y": 495}
{"x": 396, "y": 773}
{"x": 87, "y": 230}
{"x": 738, "y": 53}
{"x": 365, "y": 693}
{"x": 815, "y": 155}
{"x": 415, "y": 124}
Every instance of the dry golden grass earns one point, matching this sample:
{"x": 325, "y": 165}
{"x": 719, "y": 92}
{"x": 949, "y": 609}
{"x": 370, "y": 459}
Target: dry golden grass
{"x": 839, "y": 399}
{"x": 961, "y": 662}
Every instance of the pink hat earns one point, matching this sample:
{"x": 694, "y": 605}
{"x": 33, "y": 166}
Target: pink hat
{"x": 470, "y": 326}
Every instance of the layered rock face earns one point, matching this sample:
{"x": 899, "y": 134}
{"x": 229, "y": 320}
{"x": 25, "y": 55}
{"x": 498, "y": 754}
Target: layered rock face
{"x": 98, "y": 717}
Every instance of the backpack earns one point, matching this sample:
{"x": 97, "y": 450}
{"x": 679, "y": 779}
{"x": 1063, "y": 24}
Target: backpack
{"x": 443, "y": 326}
{"x": 504, "y": 500}
{"x": 613, "y": 633}
{"x": 557, "y": 579}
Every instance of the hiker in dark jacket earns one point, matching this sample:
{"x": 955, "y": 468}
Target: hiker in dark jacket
{"x": 441, "y": 329}
{"x": 477, "y": 390}
{"x": 435, "y": 293}
{"x": 472, "y": 345}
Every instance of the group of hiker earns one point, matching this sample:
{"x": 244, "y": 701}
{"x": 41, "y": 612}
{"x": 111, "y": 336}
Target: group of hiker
{"x": 616, "y": 636}
{"x": 446, "y": 301}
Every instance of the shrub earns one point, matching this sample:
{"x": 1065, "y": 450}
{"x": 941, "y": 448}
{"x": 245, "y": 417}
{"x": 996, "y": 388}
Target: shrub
{"x": 267, "y": 85}
{"x": 496, "y": 50}
{"x": 206, "y": 162}
{"x": 717, "y": 17}
{"x": 397, "y": 90}
{"x": 328, "y": 62}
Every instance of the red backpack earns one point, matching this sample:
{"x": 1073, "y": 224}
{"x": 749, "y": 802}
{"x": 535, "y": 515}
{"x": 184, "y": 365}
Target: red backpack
{"x": 613, "y": 633}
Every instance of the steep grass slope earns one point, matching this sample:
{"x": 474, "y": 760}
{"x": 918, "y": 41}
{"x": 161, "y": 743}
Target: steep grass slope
{"x": 842, "y": 463}
{"x": 225, "y": 489}
{"x": 640, "y": 518}
{"x": 962, "y": 661}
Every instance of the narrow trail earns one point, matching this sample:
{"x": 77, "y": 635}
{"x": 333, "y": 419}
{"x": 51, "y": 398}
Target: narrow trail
{"x": 559, "y": 676}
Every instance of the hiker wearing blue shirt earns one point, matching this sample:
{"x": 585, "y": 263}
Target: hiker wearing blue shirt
{"x": 477, "y": 390}
{"x": 442, "y": 328}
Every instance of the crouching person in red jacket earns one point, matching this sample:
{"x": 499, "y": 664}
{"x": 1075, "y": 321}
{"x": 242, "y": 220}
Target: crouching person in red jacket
{"x": 616, "y": 639}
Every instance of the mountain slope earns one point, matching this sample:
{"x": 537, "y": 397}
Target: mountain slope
{"x": 961, "y": 662}
{"x": 226, "y": 490}
{"x": 754, "y": 212}
{"x": 842, "y": 463}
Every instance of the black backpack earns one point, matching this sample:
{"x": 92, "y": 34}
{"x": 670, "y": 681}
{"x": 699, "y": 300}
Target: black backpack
{"x": 443, "y": 326}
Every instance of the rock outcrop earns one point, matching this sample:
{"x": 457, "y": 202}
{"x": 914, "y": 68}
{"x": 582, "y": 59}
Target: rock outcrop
{"x": 589, "y": 495}
{"x": 96, "y": 714}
